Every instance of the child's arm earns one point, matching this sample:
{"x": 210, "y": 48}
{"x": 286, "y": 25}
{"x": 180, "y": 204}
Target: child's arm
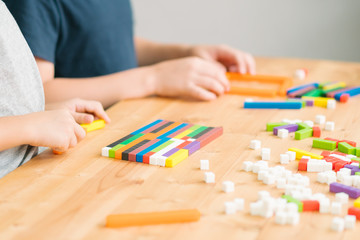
{"x": 55, "y": 129}
{"x": 234, "y": 60}
{"x": 189, "y": 77}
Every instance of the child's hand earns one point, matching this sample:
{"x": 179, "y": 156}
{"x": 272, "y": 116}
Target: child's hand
{"x": 83, "y": 111}
{"x": 234, "y": 60}
{"x": 192, "y": 76}
{"x": 56, "y": 129}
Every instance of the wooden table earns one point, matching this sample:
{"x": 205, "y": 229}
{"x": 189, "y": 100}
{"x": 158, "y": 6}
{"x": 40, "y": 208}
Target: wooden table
{"x": 68, "y": 196}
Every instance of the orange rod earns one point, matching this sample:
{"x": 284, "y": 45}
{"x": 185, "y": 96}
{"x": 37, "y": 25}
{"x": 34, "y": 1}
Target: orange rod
{"x": 253, "y": 91}
{"x": 151, "y": 218}
{"x": 257, "y": 78}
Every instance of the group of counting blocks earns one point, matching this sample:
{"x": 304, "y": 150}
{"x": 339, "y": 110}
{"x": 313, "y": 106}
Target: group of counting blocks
{"x": 345, "y": 161}
{"x": 266, "y": 206}
{"x": 162, "y": 143}
{"x": 302, "y": 129}
{"x": 344, "y": 146}
{"x": 313, "y": 94}
{"x": 297, "y": 191}
{"x": 330, "y": 163}
{"x": 322, "y": 92}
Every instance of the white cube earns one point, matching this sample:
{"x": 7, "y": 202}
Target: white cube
{"x": 309, "y": 123}
{"x": 265, "y": 150}
{"x": 321, "y": 177}
{"x": 314, "y": 166}
{"x": 267, "y": 213}
{"x": 356, "y": 181}
{"x": 342, "y": 198}
{"x": 319, "y": 196}
{"x": 262, "y": 174}
{"x": 255, "y": 208}
{"x": 327, "y": 166}
{"x": 247, "y": 166}
{"x": 284, "y": 159}
{"x": 348, "y": 180}
{"x": 239, "y": 204}
{"x": 259, "y": 165}
{"x": 230, "y": 208}
{"x": 204, "y": 164}
{"x": 265, "y": 156}
{"x": 324, "y": 205}
{"x": 291, "y": 207}
{"x": 209, "y": 177}
{"x": 336, "y": 208}
{"x": 350, "y": 221}
{"x": 280, "y": 183}
{"x": 330, "y": 179}
{"x": 331, "y": 104}
{"x": 320, "y": 119}
{"x": 293, "y": 218}
{"x": 255, "y": 144}
{"x": 228, "y": 186}
{"x": 249, "y": 100}
{"x": 283, "y": 133}
{"x": 280, "y": 217}
{"x": 262, "y": 195}
{"x": 329, "y": 126}
{"x": 105, "y": 151}
{"x": 292, "y": 155}
{"x": 269, "y": 179}
{"x": 345, "y": 171}
{"x": 338, "y": 224}
{"x": 300, "y": 74}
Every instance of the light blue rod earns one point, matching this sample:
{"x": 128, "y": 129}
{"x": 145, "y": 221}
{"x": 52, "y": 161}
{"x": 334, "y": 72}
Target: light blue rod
{"x": 273, "y": 105}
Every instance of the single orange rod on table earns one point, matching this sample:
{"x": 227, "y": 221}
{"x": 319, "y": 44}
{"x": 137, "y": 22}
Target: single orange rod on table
{"x": 283, "y": 84}
{"x": 152, "y": 218}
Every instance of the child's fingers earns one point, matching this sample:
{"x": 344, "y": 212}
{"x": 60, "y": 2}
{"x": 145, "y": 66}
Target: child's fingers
{"x": 59, "y": 150}
{"x": 244, "y": 61}
{"x": 82, "y": 118}
{"x": 93, "y": 107}
{"x": 210, "y": 84}
{"x": 80, "y": 133}
{"x": 240, "y": 60}
{"x": 201, "y": 93}
{"x": 216, "y": 71}
{"x": 73, "y": 142}
{"x": 250, "y": 63}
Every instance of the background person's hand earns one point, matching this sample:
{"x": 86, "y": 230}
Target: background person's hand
{"x": 234, "y": 60}
{"x": 190, "y": 77}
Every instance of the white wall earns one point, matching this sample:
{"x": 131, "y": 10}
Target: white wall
{"x": 319, "y": 29}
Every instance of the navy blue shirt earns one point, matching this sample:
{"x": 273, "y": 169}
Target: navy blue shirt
{"x": 83, "y": 38}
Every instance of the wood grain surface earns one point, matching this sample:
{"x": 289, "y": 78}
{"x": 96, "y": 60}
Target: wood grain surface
{"x": 69, "y": 196}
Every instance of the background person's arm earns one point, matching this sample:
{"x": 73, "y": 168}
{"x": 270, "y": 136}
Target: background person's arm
{"x": 106, "y": 89}
{"x": 234, "y": 60}
{"x": 186, "y": 77}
